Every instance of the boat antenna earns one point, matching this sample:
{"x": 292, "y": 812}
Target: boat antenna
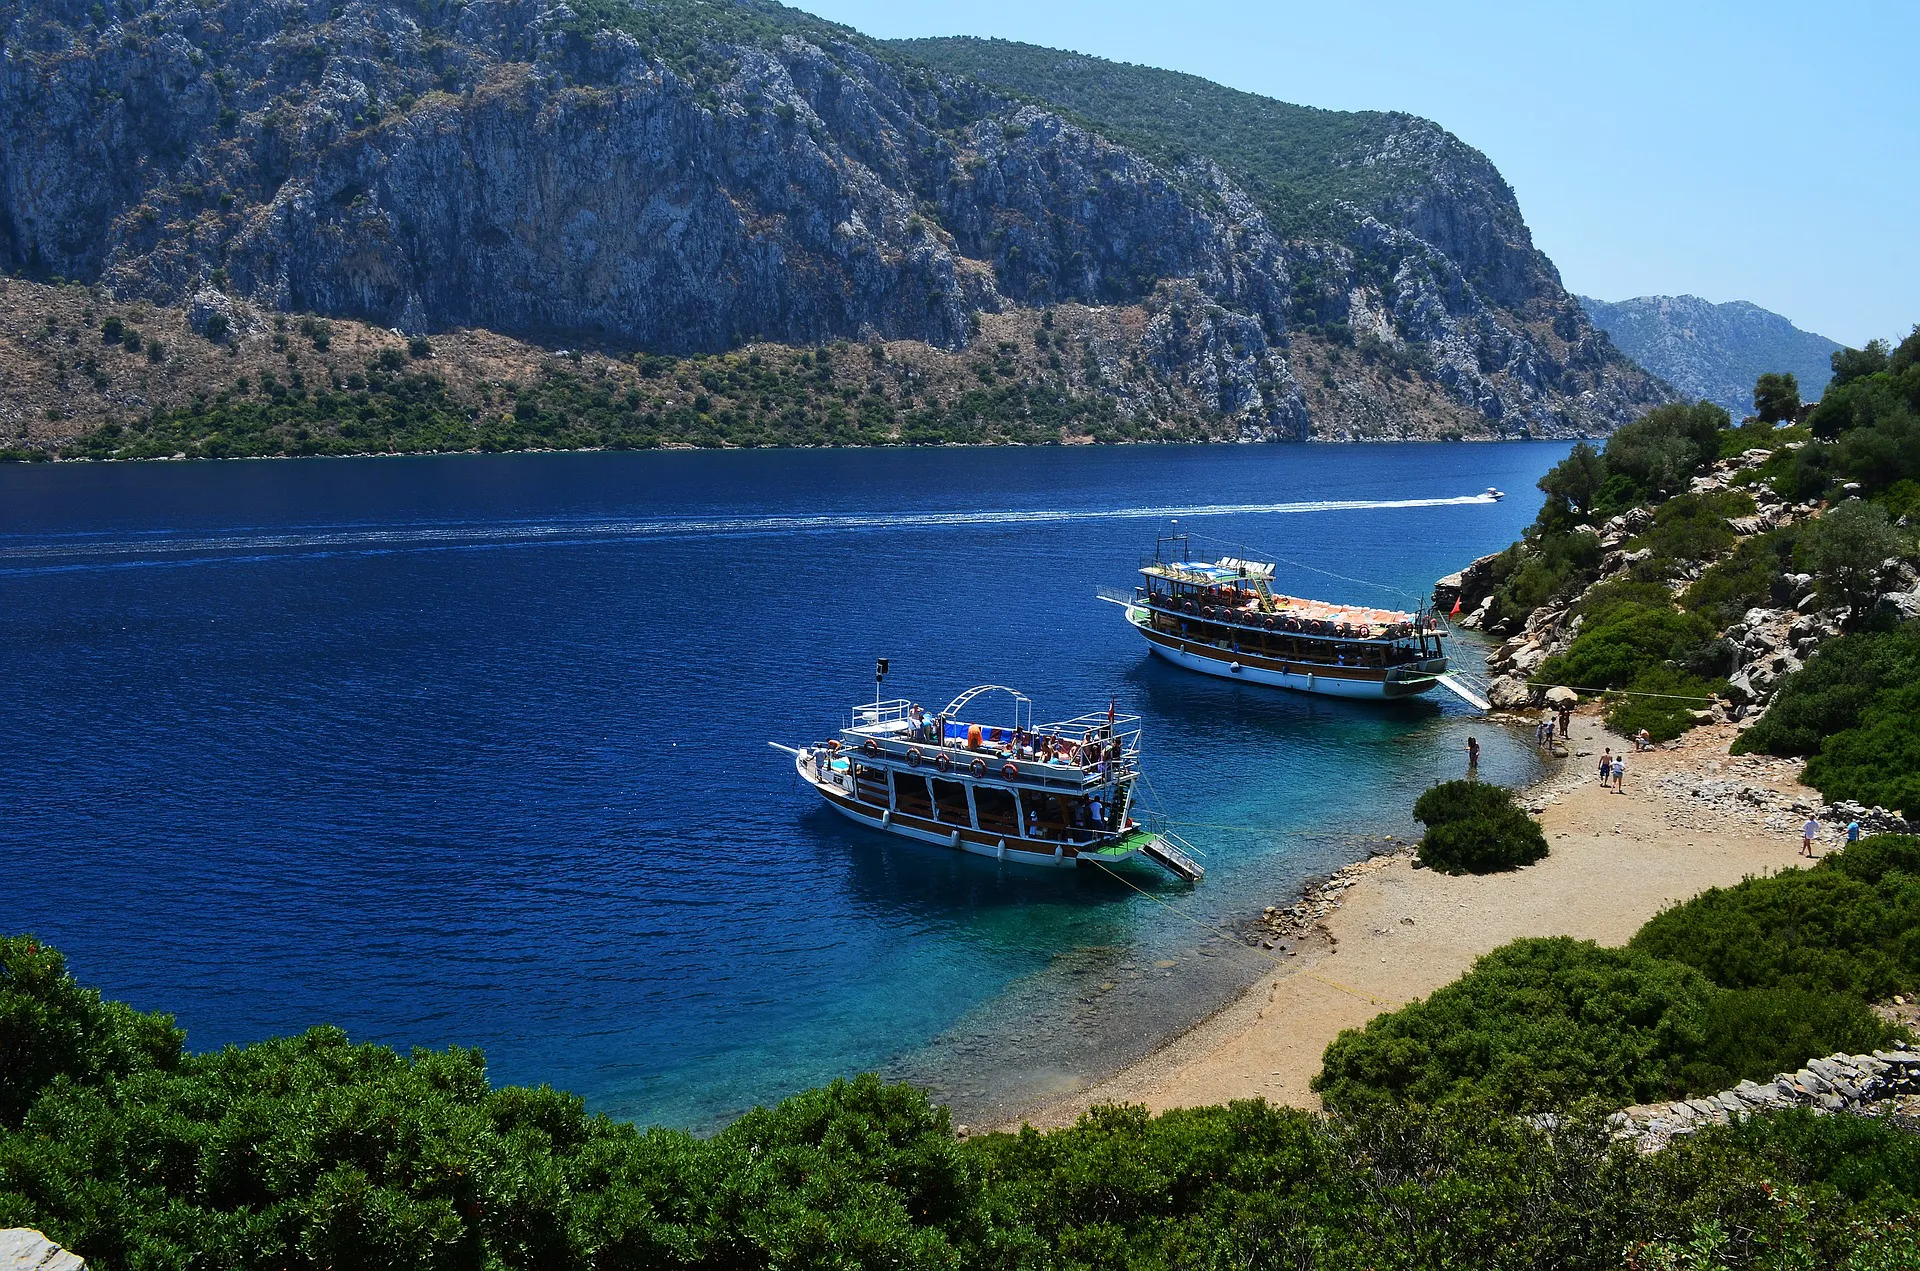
{"x": 879, "y": 674}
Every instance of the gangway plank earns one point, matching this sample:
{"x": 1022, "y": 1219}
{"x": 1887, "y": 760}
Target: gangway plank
{"x": 1460, "y": 689}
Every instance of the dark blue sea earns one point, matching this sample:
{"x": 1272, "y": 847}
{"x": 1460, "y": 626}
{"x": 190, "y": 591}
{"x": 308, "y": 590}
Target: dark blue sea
{"x": 473, "y": 750}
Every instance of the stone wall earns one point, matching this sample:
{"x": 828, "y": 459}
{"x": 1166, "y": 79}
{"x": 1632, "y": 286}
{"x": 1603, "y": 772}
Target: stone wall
{"x": 1885, "y": 1083}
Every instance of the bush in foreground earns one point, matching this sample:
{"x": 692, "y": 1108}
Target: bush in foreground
{"x": 1474, "y": 828}
{"x": 1739, "y": 982}
{"x": 1822, "y": 930}
{"x": 1535, "y": 1025}
{"x": 310, "y": 1152}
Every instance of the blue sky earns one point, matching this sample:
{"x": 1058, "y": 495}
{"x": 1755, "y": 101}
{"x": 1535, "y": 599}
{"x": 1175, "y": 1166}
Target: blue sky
{"x": 1763, "y": 151}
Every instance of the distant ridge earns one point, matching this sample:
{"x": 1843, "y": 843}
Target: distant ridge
{"x": 1713, "y": 352}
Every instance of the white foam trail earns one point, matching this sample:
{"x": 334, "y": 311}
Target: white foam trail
{"x": 430, "y": 537}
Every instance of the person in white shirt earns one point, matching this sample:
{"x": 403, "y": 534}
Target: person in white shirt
{"x": 1808, "y": 833}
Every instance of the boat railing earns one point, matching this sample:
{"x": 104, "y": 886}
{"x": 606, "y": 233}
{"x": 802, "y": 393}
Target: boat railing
{"x": 997, "y": 750}
{"x": 874, "y": 714}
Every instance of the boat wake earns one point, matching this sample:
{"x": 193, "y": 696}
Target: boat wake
{"x": 25, "y": 555}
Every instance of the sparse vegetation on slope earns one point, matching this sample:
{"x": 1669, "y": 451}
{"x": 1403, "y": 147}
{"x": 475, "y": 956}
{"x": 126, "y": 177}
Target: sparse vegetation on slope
{"x": 305, "y": 386}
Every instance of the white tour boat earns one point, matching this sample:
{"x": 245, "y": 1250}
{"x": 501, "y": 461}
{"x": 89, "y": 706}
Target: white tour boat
{"x": 1049, "y": 794}
{"x": 1224, "y": 618}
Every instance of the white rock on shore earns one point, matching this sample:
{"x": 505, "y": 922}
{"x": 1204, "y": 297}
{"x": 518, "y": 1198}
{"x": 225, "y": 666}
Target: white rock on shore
{"x": 24, "y": 1249}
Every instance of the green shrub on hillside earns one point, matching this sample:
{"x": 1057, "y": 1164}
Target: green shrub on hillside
{"x": 52, "y": 1028}
{"x": 1818, "y": 930}
{"x": 1662, "y": 699}
{"x": 1474, "y": 828}
{"x": 1526, "y": 576}
{"x": 1536, "y": 1024}
{"x": 1833, "y": 690}
{"x": 1755, "y": 1034}
{"x": 1745, "y": 580}
{"x": 1663, "y": 449}
{"x": 1693, "y": 527}
{"x": 1878, "y": 760}
{"x": 1872, "y": 859}
{"x": 1630, "y": 639}
{"x": 1740, "y": 982}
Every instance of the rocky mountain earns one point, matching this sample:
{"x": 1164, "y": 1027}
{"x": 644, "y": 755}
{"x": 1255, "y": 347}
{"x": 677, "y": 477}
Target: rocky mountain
{"x": 688, "y": 178}
{"x": 1713, "y": 352}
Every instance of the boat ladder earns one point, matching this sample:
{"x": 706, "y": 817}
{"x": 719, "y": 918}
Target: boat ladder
{"x": 1169, "y": 851}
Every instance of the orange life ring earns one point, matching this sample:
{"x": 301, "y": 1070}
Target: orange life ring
{"x": 978, "y": 767}
{"x": 941, "y": 762}
{"x": 1010, "y": 770}
{"x": 872, "y": 747}
{"x": 1268, "y": 623}
{"x": 913, "y": 756}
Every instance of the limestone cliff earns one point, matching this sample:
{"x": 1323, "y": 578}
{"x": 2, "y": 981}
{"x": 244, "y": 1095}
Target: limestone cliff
{"x": 684, "y": 178}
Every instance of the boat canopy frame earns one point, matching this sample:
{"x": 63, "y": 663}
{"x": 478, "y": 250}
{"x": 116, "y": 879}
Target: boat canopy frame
{"x": 1020, "y": 700}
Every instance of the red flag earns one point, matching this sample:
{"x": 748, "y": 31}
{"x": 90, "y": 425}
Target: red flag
{"x": 1456, "y": 608}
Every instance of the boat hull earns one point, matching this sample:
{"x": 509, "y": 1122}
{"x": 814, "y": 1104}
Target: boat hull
{"x": 1350, "y": 682}
{"x": 1022, "y": 851}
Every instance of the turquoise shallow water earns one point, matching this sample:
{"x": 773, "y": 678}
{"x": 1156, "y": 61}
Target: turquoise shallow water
{"x": 473, "y": 749}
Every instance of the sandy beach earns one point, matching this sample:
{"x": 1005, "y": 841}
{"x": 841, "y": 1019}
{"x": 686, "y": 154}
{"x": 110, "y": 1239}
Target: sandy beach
{"x": 1399, "y": 932}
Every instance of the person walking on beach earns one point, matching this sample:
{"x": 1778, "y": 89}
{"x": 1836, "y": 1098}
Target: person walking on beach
{"x": 1619, "y": 772}
{"x": 1566, "y": 722}
{"x": 1808, "y": 833}
{"x": 1606, "y": 764}
{"x": 1473, "y": 755}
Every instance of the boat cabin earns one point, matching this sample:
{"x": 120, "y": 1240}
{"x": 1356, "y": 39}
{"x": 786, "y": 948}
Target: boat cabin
{"x": 1230, "y": 604}
{"x": 1068, "y": 782}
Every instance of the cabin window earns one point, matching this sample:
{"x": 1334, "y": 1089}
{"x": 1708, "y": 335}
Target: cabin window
{"x": 950, "y": 802}
{"x": 996, "y": 809}
{"x": 910, "y": 795}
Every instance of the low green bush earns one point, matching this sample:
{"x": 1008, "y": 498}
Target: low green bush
{"x": 1832, "y": 692}
{"x": 1630, "y": 639}
{"x": 1535, "y": 1025}
{"x": 1744, "y": 580}
{"x": 1878, "y": 760}
{"x": 1662, "y": 700}
{"x": 1754, "y": 1034}
{"x": 1873, "y": 858}
{"x": 1820, "y": 930}
{"x": 1738, "y": 983}
{"x": 1475, "y": 828}
{"x": 310, "y": 1152}
{"x": 1693, "y": 527}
